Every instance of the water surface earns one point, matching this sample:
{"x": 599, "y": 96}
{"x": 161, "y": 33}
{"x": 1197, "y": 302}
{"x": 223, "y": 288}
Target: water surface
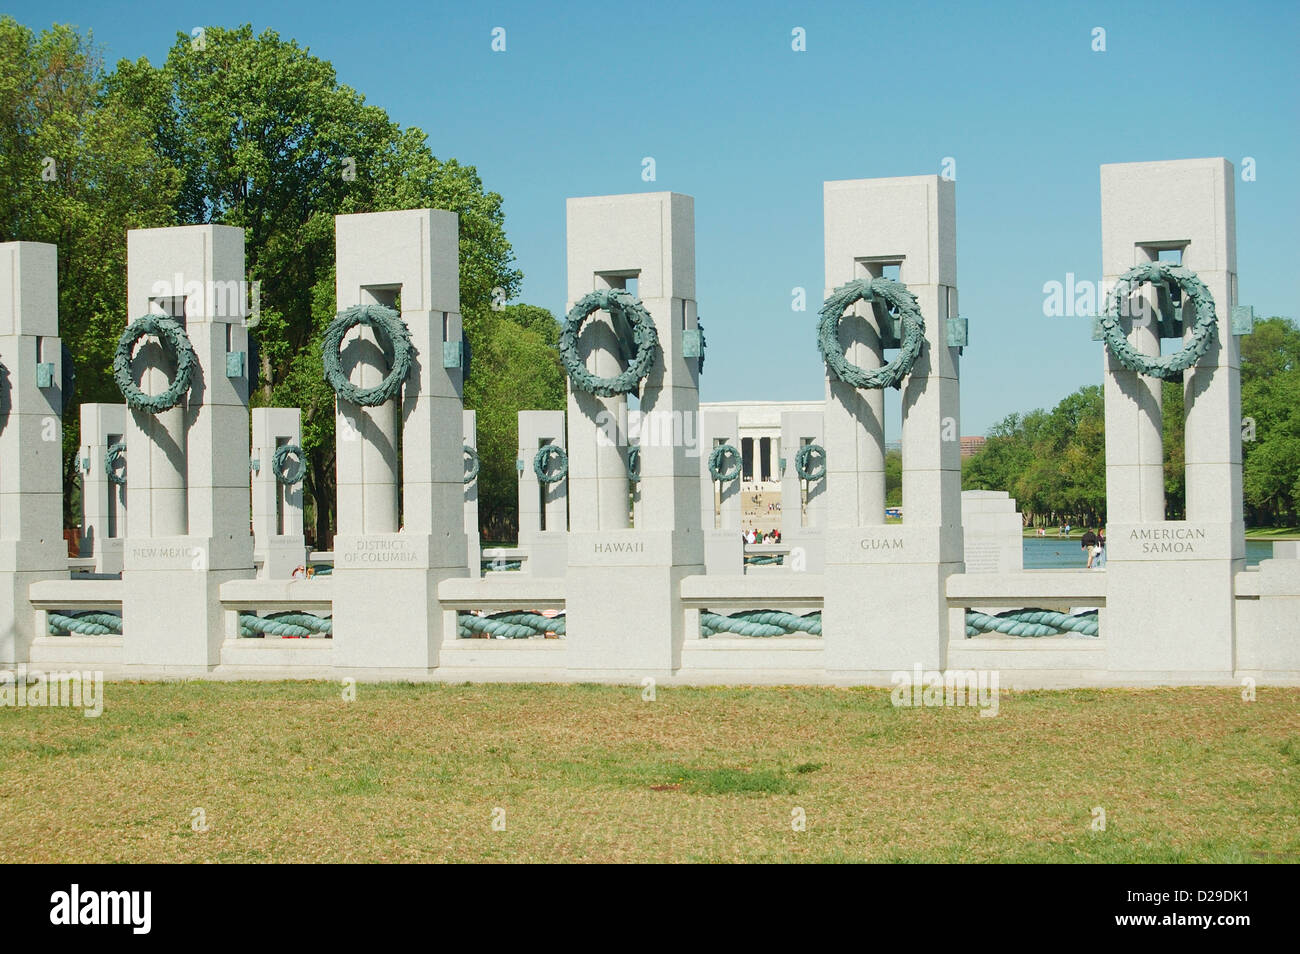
{"x": 1054, "y": 553}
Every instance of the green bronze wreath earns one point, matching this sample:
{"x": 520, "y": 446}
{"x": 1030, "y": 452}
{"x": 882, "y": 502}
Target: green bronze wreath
{"x": 898, "y": 299}
{"x": 279, "y": 464}
{"x": 387, "y": 323}
{"x": 618, "y": 303}
{"x": 724, "y": 463}
{"x": 634, "y": 464}
{"x": 1170, "y": 367}
{"x": 804, "y": 456}
{"x": 170, "y": 332}
{"x": 543, "y": 459}
{"x": 112, "y": 455}
{"x": 472, "y": 464}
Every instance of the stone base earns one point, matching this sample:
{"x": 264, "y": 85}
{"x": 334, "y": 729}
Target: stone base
{"x": 171, "y": 599}
{"x": 548, "y": 552}
{"x": 279, "y": 558}
{"x": 174, "y": 618}
{"x": 389, "y": 618}
{"x": 107, "y": 554}
{"x": 623, "y": 609}
{"x": 1171, "y": 616}
{"x": 724, "y": 552}
{"x": 807, "y": 550}
{"x": 17, "y": 617}
{"x": 882, "y": 612}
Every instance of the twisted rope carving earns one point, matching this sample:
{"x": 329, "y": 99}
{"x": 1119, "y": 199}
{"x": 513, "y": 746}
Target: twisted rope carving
{"x": 1031, "y": 622}
{"x": 300, "y": 625}
{"x": 84, "y": 623}
{"x": 510, "y": 625}
{"x": 761, "y": 622}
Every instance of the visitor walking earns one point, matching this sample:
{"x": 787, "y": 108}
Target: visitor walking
{"x": 1090, "y": 544}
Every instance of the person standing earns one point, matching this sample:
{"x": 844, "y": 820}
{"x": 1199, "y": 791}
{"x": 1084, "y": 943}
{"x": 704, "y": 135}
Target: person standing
{"x": 1088, "y": 544}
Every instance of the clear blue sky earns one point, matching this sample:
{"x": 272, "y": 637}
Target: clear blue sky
{"x": 1013, "y": 92}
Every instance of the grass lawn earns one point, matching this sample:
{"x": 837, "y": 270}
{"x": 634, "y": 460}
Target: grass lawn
{"x": 292, "y": 772}
{"x": 1252, "y": 533}
{"x": 1273, "y": 533}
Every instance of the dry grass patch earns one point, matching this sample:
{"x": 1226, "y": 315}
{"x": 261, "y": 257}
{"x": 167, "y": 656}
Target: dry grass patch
{"x": 291, "y": 772}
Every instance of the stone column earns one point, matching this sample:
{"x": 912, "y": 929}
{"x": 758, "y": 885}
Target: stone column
{"x": 543, "y": 508}
{"x": 803, "y": 519}
{"x": 601, "y": 495}
{"x": 855, "y": 419}
{"x": 724, "y": 551}
{"x": 386, "y": 612}
{"x": 189, "y": 488}
{"x": 473, "y": 544}
{"x": 649, "y": 237}
{"x": 279, "y": 544}
{"x": 103, "y": 502}
{"x": 1170, "y": 583}
{"x": 871, "y": 223}
{"x": 31, "y": 439}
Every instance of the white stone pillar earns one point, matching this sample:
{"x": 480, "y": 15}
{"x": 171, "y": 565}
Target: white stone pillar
{"x": 1170, "y": 587}
{"x": 601, "y": 495}
{"x": 189, "y": 487}
{"x": 992, "y": 532}
{"x": 543, "y": 508}
{"x": 724, "y": 551}
{"x": 103, "y": 501}
{"x": 473, "y": 545}
{"x": 279, "y": 545}
{"x": 871, "y": 223}
{"x": 386, "y": 612}
{"x": 803, "y": 503}
{"x": 31, "y": 439}
{"x": 1134, "y": 407}
{"x": 623, "y": 605}
{"x": 855, "y": 419}
{"x": 367, "y": 452}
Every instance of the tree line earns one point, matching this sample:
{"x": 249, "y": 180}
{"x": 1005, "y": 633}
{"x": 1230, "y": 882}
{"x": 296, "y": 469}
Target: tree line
{"x": 254, "y": 131}
{"x": 251, "y": 131}
{"x": 1053, "y": 461}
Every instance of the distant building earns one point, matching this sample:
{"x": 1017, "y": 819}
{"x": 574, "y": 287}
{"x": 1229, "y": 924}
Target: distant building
{"x": 971, "y": 445}
{"x": 759, "y": 426}
{"x": 762, "y": 458}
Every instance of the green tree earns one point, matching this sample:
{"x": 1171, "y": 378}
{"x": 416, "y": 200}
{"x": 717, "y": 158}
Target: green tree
{"x": 538, "y": 320}
{"x": 1173, "y": 414}
{"x": 515, "y": 350}
{"x": 81, "y": 165}
{"x": 1052, "y": 462}
{"x": 266, "y": 138}
{"x": 893, "y": 478}
{"x": 1270, "y": 406}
